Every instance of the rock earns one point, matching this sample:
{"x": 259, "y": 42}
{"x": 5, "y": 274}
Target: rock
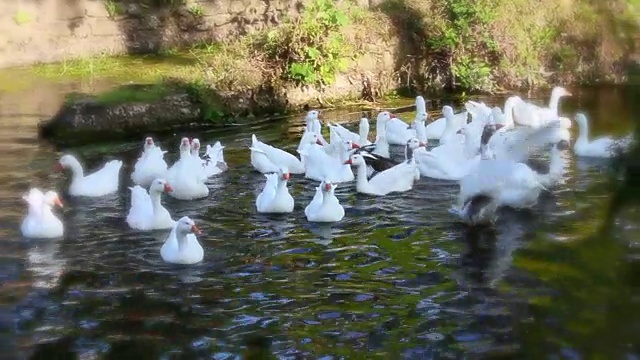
{"x": 87, "y": 120}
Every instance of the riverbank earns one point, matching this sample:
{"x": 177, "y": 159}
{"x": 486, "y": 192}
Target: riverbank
{"x": 329, "y": 53}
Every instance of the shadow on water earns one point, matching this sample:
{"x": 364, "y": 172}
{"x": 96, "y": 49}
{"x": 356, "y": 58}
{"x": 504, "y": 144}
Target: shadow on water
{"x": 397, "y": 277}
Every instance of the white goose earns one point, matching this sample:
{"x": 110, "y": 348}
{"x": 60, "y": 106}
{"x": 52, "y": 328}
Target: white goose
{"x": 322, "y": 166}
{"x": 478, "y": 110}
{"x": 102, "y": 182}
{"x": 397, "y": 131}
{"x": 325, "y": 206}
{"x": 40, "y": 221}
{"x": 186, "y": 175}
{"x": 150, "y": 165}
{"x": 311, "y": 118}
{"x": 195, "y": 149}
{"x": 447, "y": 125}
{"x": 503, "y": 182}
{"x": 214, "y": 163}
{"x": 532, "y": 115}
{"x": 182, "y": 246}
{"x": 602, "y": 147}
{"x": 146, "y": 212}
{"x": 399, "y": 178}
{"x": 420, "y": 125}
{"x": 381, "y": 145}
{"x": 275, "y": 197}
{"x": 268, "y": 159}
{"x": 452, "y": 160}
{"x": 360, "y": 138}
{"x": 508, "y": 141}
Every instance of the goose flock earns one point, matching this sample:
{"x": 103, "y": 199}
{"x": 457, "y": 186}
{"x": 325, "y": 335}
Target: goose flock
{"x": 485, "y": 150}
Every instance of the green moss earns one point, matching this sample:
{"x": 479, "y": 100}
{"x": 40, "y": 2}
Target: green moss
{"x": 22, "y": 17}
{"x": 128, "y": 94}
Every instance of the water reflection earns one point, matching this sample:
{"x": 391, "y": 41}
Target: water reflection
{"x": 396, "y": 278}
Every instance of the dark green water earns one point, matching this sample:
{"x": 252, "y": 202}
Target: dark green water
{"x": 396, "y": 279}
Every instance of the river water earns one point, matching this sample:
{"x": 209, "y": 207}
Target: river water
{"x": 397, "y": 278}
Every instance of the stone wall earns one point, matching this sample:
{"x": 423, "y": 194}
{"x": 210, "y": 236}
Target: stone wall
{"x": 34, "y": 31}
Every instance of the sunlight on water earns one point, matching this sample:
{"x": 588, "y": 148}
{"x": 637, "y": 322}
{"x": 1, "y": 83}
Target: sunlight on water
{"x": 397, "y": 278}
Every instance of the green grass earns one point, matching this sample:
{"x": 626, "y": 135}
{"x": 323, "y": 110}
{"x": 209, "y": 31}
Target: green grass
{"x": 126, "y": 68}
{"x": 127, "y": 94}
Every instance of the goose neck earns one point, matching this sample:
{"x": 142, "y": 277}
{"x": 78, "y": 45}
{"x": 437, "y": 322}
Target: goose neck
{"x": 156, "y": 199}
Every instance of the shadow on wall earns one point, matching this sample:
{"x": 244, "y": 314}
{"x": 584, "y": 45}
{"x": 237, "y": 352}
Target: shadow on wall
{"x": 411, "y": 53}
{"x": 151, "y": 26}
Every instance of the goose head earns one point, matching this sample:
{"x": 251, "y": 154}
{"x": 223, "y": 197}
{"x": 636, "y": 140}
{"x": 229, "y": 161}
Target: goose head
{"x": 67, "y": 161}
{"x": 312, "y": 115}
{"x": 195, "y": 147}
{"x": 148, "y": 143}
{"x": 385, "y": 116}
{"x": 447, "y": 111}
{"x": 51, "y": 198}
{"x": 187, "y": 226}
{"x": 355, "y": 159}
{"x": 414, "y": 143}
{"x": 559, "y": 92}
{"x": 422, "y": 116}
{"x": 350, "y": 145}
{"x": 185, "y": 144}
{"x": 284, "y": 174}
{"x": 159, "y": 186}
{"x": 411, "y": 145}
{"x": 310, "y": 137}
{"x": 328, "y": 187}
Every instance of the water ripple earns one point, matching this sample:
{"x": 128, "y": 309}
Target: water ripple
{"x": 396, "y": 276}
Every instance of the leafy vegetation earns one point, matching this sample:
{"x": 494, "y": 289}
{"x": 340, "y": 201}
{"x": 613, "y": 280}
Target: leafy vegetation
{"x": 452, "y": 44}
{"x": 312, "y": 49}
{"x": 487, "y": 45}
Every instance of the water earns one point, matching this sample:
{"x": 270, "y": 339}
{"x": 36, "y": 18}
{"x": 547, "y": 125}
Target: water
{"x": 397, "y": 278}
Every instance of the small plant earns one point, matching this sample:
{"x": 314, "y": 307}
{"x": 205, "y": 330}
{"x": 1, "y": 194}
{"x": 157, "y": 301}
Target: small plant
{"x": 196, "y": 10}
{"x": 113, "y": 8}
{"x": 22, "y": 17}
{"x": 310, "y": 50}
{"x": 466, "y": 44}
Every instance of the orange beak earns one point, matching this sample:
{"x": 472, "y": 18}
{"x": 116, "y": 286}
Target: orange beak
{"x": 58, "y": 202}
{"x": 167, "y": 188}
{"x": 58, "y": 167}
{"x": 422, "y": 144}
{"x": 354, "y": 146}
{"x": 195, "y": 230}
{"x": 286, "y": 176}
{"x": 393, "y": 116}
{"x": 348, "y": 162}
